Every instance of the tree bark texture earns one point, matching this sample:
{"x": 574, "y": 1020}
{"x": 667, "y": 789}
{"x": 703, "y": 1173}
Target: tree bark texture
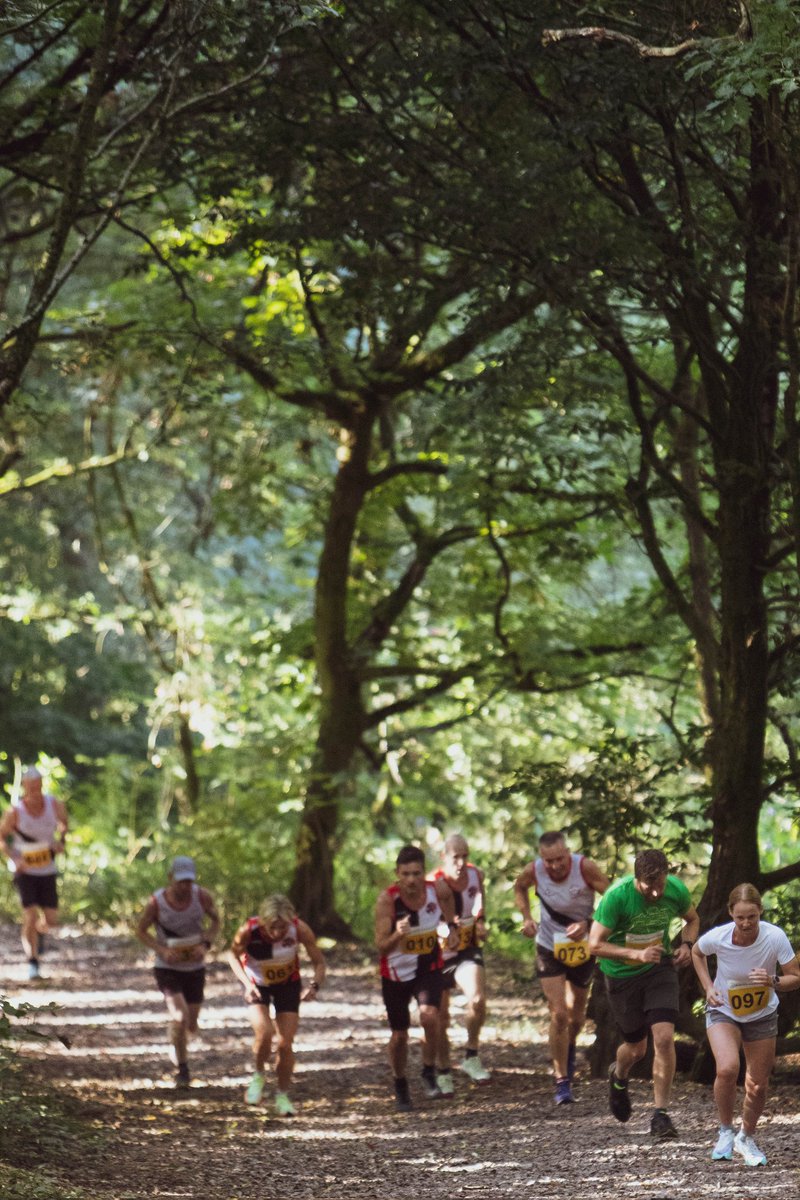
{"x": 342, "y": 715}
{"x": 743, "y": 450}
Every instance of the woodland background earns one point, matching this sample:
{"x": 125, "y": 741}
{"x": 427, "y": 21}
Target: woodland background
{"x": 399, "y": 433}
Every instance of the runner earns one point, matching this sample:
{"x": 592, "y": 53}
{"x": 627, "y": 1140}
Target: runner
{"x": 186, "y": 922}
{"x": 264, "y": 957}
{"x": 742, "y": 1013}
{"x": 463, "y": 966}
{"x": 407, "y": 916}
{"x": 630, "y": 936}
{"x": 565, "y": 884}
{"x": 32, "y": 833}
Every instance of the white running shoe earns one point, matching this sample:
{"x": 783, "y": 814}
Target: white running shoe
{"x": 743, "y": 1144}
{"x": 255, "y": 1088}
{"x": 475, "y": 1069}
{"x": 724, "y": 1146}
{"x": 444, "y": 1082}
{"x": 283, "y": 1105}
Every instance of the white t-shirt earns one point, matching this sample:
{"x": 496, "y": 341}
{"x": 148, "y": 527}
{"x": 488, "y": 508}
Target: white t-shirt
{"x": 744, "y": 1001}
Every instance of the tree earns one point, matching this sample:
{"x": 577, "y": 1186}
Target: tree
{"x": 711, "y": 204}
{"x": 88, "y": 95}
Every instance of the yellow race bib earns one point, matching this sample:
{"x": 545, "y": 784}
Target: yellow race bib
{"x": 37, "y": 854}
{"x": 419, "y": 942}
{"x": 466, "y": 937}
{"x": 277, "y": 972}
{"x": 570, "y": 953}
{"x": 747, "y": 998}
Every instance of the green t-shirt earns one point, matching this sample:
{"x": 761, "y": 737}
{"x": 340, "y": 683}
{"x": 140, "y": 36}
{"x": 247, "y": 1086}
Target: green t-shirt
{"x": 637, "y": 922}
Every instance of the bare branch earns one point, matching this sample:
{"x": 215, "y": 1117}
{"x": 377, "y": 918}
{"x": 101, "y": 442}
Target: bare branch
{"x": 599, "y": 34}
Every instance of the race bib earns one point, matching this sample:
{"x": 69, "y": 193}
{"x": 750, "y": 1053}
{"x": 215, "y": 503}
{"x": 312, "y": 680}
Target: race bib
{"x": 640, "y": 941}
{"x": 745, "y": 998}
{"x": 466, "y": 937}
{"x": 570, "y": 953}
{"x": 184, "y": 946}
{"x": 277, "y": 972}
{"x": 419, "y": 942}
{"x": 37, "y": 854}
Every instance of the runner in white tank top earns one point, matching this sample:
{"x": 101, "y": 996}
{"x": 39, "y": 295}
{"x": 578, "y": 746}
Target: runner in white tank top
{"x": 32, "y": 833}
{"x": 463, "y": 965}
{"x": 566, "y": 884}
{"x": 185, "y": 921}
{"x": 406, "y": 916}
{"x": 264, "y": 957}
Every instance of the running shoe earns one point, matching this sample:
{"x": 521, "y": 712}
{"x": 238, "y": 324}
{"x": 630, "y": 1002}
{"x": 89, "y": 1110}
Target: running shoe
{"x": 255, "y": 1088}
{"x": 743, "y": 1144}
{"x": 444, "y": 1082}
{"x": 724, "y": 1146}
{"x": 182, "y": 1076}
{"x": 402, "y": 1099}
{"x": 33, "y": 969}
{"x": 572, "y": 1055}
{"x": 661, "y": 1127}
{"x": 477, "y": 1072}
{"x": 429, "y": 1084}
{"x": 283, "y": 1105}
{"x": 618, "y": 1099}
{"x": 563, "y": 1092}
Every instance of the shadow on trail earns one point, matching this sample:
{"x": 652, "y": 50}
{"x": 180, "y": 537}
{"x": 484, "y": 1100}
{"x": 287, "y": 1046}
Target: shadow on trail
{"x": 347, "y": 1142}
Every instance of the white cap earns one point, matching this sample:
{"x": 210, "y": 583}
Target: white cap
{"x": 31, "y": 773}
{"x": 183, "y": 868}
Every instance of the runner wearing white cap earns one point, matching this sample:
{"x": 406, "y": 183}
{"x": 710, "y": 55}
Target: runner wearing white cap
{"x": 32, "y": 832}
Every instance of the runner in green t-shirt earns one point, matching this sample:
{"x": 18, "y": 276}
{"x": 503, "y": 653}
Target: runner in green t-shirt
{"x": 630, "y": 937}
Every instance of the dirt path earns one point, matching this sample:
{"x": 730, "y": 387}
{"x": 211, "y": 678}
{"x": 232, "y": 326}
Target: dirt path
{"x": 501, "y": 1140}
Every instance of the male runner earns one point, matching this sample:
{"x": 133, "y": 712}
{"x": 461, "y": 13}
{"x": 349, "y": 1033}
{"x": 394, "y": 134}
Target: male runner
{"x": 407, "y": 918}
{"x": 186, "y": 922}
{"x": 565, "y": 884}
{"x": 630, "y": 936}
{"x": 463, "y": 965}
{"x": 32, "y": 832}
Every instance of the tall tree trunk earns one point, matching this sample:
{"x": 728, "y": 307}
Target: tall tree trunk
{"x": 188, "y": 795}
{"x": 342, "y": 716}
{"x": 742, "y": 451}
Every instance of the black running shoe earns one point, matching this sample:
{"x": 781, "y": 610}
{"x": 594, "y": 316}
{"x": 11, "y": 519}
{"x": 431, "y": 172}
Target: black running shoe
{"x": 661, "y": 1127}
{"x": 402, "y": 1099}
{"x": 429, "y": 1085}
{"x": 182, "y": 1076}
{"x": 618, "y": 1099}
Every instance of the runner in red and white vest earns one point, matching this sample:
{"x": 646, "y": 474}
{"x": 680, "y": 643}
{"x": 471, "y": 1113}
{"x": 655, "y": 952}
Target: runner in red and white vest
{"x": 185, "y": 920}
{"x": 264, "y": 957}
{"x": 32, "y": 832}
{"x": 566, "y": 885}
{"x": 463, "y": 966}
{"x": 407, "y": 919}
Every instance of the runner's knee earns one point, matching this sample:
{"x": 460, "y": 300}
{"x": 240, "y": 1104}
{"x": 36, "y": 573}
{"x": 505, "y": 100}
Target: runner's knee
{"x": 429, "y": 1018}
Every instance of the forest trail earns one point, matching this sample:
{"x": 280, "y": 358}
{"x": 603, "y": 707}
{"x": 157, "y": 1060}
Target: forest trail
{"x": 501, "y": 1140}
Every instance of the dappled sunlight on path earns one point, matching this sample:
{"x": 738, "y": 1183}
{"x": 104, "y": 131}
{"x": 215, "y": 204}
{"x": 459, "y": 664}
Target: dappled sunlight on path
{"x": 347, "y": 1141}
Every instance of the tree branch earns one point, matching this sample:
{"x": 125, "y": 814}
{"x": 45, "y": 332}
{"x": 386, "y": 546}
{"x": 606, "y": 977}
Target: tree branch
{"x": 599, "y": 34}
{"x": 772, "y": 879}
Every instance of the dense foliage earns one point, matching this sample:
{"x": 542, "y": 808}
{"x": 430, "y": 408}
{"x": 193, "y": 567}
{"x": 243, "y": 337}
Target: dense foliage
{"x": 400, "y": 434}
